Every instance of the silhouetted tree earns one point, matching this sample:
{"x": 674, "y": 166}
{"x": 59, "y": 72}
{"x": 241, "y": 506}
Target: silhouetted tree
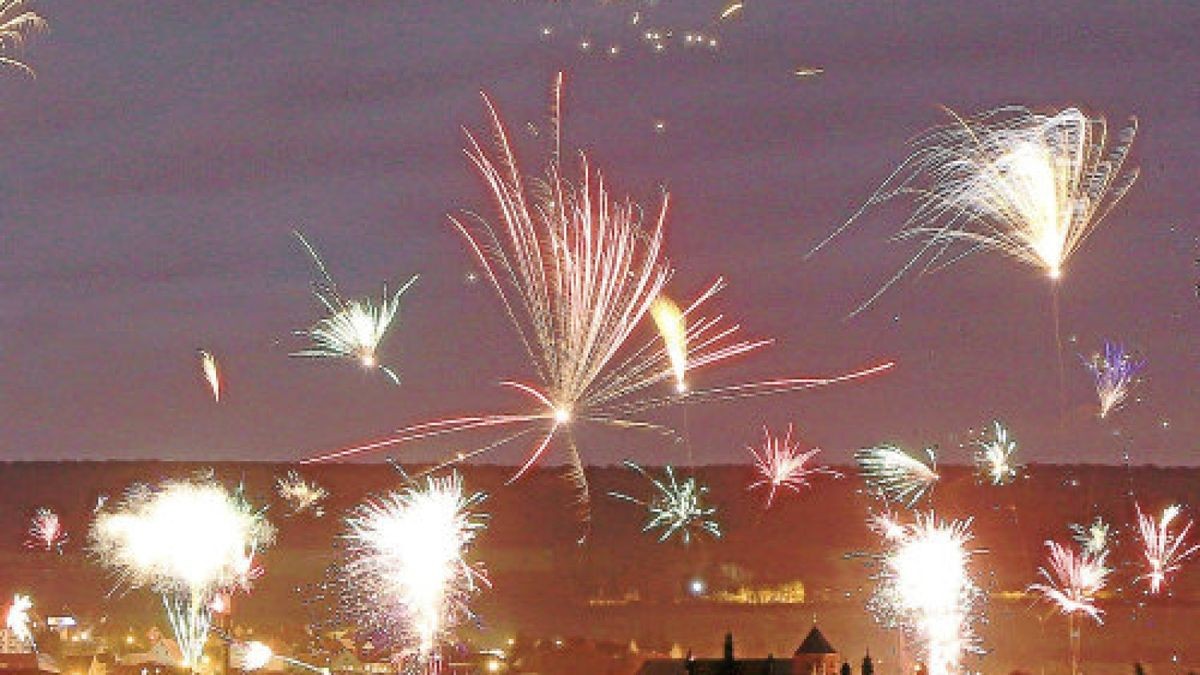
{"x": 1138, "y": 669}
{"x": 846, "y": 668}
{"x": 868, "y": 667}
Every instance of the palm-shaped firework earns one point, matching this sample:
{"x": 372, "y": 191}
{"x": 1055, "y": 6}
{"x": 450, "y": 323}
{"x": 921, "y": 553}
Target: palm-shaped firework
{"x": 577, "y": 270}
{"x": 352, "y": 329}
{"x": 1025, "y": 184}
{"x": 781, "y": 463}
{"x": 676, "y": 507}
{"x": 1165, "y": 550}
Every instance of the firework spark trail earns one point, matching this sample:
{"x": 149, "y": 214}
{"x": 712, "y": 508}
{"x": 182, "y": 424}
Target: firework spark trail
{"x": 208, "y": 367}
{"x": 1027, "y": 185}
{"x": 46, "y": 531}
{"x": 677, "y": 507}
{"x": 576, "y": 271}
{"x": 672, "y": 326}
{"x": 896, "y": 476}
{"x": 1115, "y": 372}
{"x": 780, "y": 463}
{"x": 926, "y": 588}
{"x": 406, "y": 576}
{"x": 17, "y": 619}
{"x": 188, "y": 541}
{"x": 1095, "y": 537}
{"x": 301, "y": 495}
{"x": 353, "y": 329}
{"x": 1165, "y": 551}
{"x": 995, "y": 457}
{"x": 16, "y": 24}
{"x": 1073, "y": 580}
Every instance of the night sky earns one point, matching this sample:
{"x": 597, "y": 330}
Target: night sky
{"x": 151, "y": 175}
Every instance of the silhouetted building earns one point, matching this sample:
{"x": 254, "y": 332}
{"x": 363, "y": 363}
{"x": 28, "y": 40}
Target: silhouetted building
{"x": 814, "y": 656}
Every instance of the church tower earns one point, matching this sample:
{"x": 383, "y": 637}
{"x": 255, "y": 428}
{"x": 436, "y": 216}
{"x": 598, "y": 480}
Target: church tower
{"x": 815, "y": 656}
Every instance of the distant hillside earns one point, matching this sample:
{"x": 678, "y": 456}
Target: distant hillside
{"x": 543, "y": 581}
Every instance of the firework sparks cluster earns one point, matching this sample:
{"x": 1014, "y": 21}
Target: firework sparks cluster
{"x": 677, "y": 507}
{"x": 186, "y": 540}
{"x": 926, "y": 587}
{"x": 407, "y": 578}
{"x": 780, "y": 463}
{"x": 581, "y": 272}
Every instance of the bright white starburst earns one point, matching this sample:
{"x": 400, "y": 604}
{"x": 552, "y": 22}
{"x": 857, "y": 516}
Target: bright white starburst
{"x": 187, "y": 540}
{"x": 1025, "y": 184}
{"x": 781, "y": 463}
{"x": 406, "y": 577}
{"x": 676, "y": 507}
{"x": 1165, "y": 550}
{"x": 927, "y": 588}
{"x": 17, "y": 619}
{"x": 352, "y": 329}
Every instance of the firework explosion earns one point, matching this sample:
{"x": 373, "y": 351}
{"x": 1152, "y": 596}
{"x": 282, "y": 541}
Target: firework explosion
{"x": 926, "y": 588}
{"x": 1073, "y": 580}
{"x": 677, "y": 507}
{"x": 301, "y": 495}
{"x": 1027, "y": 185}
{"x": 672, "y": 326}
{"x": 208, "y": 368}
{"x": 17, "y": 619}
{"x": 1072, "y": 583}
{"x": 186, "y": 540}
{"x": 1095, "y": 537}
{"x": 353, "y": 329}
{"x": 16, "y": 24}
{"x": 896, "y": 476}
{"x": 995, "y": 457}
{"x": 1115, "y": 372}
{"x": 1164, "y": 550}
{"x": 406, "y": 579}
{"x": 780, "y": 463}
{"x": 577, "y": 270}
{"x": 46, "y": 531}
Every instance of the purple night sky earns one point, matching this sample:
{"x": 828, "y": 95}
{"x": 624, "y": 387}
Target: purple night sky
{"x": 152, "y": 172}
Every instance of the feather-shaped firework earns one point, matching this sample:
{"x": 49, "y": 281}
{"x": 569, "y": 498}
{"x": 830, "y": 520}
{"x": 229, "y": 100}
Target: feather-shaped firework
{"x": 351, "y": 329}
{"x": 896, "y": 476}
{"x": 1025, "y": 184}
{"x": 16, "y": 24}
{"x": 208, "y": 368}
{"x": 676, "y": 507}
